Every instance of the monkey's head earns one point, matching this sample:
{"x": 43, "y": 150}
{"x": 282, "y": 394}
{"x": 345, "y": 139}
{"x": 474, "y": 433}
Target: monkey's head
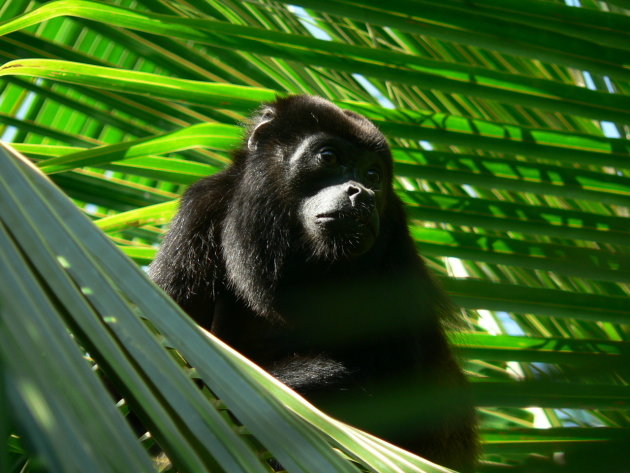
{"x": 333, "y": 168}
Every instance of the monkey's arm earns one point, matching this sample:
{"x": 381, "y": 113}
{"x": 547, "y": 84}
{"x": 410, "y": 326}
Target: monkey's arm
{"x": 188, "y": 264}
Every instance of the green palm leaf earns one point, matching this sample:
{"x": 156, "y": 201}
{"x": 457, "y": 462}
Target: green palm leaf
{"x": 508, "y": 122}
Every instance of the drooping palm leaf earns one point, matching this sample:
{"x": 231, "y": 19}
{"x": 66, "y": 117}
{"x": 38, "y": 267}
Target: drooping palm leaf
{"x": 508, "y": 122}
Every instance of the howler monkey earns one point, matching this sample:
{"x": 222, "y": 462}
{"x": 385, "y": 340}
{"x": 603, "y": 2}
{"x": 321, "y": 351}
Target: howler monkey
{"x": 298, "y": 256}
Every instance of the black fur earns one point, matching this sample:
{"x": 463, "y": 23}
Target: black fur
{"x": 298, "y": 256}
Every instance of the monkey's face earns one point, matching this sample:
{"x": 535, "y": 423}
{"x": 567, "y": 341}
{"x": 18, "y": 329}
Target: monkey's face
{"x": 341, "y": 190}
{"x": 331, "y": 166}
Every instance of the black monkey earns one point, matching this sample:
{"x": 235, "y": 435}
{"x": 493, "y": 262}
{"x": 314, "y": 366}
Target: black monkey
{"x": 298, "y": 255}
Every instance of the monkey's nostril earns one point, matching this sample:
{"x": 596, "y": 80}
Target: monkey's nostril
{"x": 353, "y": 190}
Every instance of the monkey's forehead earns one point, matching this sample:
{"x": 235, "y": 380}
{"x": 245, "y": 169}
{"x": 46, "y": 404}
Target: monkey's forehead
{"x": 304, "y": 115}
{"x": 313, "y": 109}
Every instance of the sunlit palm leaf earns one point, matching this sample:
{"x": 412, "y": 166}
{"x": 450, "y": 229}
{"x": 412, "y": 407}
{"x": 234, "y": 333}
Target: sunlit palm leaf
{"x": 497, "y": 138}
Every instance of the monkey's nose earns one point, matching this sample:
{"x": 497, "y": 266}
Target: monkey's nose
{"x": 359, "y": 194}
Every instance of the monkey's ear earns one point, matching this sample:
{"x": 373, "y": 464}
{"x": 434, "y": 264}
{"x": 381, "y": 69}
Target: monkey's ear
{"x": 265, "y": 117}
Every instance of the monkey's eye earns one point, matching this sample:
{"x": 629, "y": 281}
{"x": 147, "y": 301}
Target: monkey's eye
{"x": 327, "y": 156}
{"x": 373, "y": 176}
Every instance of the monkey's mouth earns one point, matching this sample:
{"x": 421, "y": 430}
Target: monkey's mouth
{"x": 349, "y": 221}
{"x": 342, "y": 234}
{"x": 350, "y": 217}
{"x": 327, "y": 217}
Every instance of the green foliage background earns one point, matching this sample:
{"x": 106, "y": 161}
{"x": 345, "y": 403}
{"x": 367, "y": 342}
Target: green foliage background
{"x": 508, "y": 122}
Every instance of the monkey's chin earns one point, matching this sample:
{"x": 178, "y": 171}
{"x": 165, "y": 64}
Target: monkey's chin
{"x": 334, "y": 239}
{"x": 341, "y": 246}
{"x": 359, "y": 247}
